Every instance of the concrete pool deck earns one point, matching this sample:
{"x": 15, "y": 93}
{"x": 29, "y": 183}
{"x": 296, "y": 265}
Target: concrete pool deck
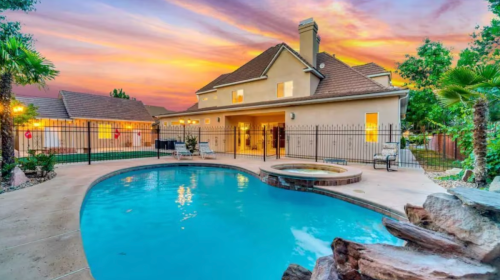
{"x": 40, "y": 227}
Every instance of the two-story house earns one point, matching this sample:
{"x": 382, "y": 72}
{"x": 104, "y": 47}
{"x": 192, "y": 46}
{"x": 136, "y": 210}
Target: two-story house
{"x": 284, "y": 87}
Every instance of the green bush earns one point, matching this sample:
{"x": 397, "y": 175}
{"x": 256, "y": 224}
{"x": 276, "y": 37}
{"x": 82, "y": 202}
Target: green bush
{"x": 191, "y": 142}
{"x": 7, "y": 170}
{"x": 46, "y": 162}
{"x": 402, "y": 143}
{"x": 416, "y": 139}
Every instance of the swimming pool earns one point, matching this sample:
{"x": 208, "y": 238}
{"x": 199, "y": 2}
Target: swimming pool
{"x": 187, "y": 222}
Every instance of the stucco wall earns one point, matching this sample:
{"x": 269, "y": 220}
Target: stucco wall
{"x": 383, "y": 80}
{"x": 334, "y": 113}
{"x": 285, "y": 68}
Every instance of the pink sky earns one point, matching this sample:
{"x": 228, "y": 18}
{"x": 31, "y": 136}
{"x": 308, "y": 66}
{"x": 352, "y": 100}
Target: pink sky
{"x": 162, "y": 51}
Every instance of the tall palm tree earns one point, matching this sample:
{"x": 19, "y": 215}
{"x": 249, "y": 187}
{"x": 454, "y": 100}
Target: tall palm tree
{"x": 475, "y": 88}
{"x": 19, "y": 65}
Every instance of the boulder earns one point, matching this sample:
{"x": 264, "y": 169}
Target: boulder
{"x": 18, "y": 177}
{"x": 481, "y": 234}
{"x": 481, "y": 200}
{"x": 325, "y": 269}
{"x": 423, "y": 238}
{"x": 386, "y": 262}
{"x": 296, "y": 272}
{"x": 418, "y": 216}
{"x": 467, "y": 174}
{"x": 495, "y": 185}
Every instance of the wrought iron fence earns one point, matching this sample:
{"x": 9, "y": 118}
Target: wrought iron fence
{"x": 79, "y": 141}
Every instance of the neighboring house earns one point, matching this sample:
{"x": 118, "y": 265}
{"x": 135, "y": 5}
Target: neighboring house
{"x": 62, "y": 123}
{"x": 157, "y": 110}
{"x": 282, "y": 87}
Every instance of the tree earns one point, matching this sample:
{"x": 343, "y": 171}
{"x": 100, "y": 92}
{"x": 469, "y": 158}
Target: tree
{"x": 423, "y": 72}
{"x": 13, "y": 29}
{"x": 29, "y": 112}
{"x": 473, "y": 88}
{"x": 21, "y": 66}
{"x": 485, "y": 47}
{"x": 119, "y": 93}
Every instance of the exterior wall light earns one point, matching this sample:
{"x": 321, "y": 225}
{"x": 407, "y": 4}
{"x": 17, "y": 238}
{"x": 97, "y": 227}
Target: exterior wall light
{"x": 37, "y": 124}
{"x": 18, "y": 109}
{"x": 292, "y": 116}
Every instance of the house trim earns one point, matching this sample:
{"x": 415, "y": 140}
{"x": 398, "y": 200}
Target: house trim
{"x": 241, "y": 82}
{"x": 307, "y": 69}
{"x": 379, "y": 75}
{"x": 112, "y": 120}
{"x": 206, "y": 91}
{"x": 295, "y": 103}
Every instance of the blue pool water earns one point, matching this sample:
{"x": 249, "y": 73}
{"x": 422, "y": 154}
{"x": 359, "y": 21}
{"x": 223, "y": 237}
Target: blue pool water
{"x": 212, "y": 223}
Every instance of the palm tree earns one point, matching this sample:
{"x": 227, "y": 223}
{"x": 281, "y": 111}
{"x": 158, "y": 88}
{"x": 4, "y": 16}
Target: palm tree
{"x": 474, "y": 88}
{"x": 19, "y": 65}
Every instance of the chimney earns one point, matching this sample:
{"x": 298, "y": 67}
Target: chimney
{"x": 309, "y": 40}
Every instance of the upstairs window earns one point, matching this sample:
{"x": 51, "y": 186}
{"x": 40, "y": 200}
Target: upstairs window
{"x": 238, "y": 96}
{"x": 104, "y": 131}
{"x": 205, "y": 98}
{"x": 285, "y": 89}
{"x": 371, "y": 127}
{"x": 207, "y": 121}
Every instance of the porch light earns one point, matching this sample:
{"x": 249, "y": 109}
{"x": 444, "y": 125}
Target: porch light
{"x": 189, "y": 121}
{"x": 181, "y": 121}
{"x": 37, "y": 124}
{"x": 129, "y": 127}
{"x": 18, "y": 109}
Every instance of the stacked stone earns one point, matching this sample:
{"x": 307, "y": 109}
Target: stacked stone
{"x": 453, "y": 236}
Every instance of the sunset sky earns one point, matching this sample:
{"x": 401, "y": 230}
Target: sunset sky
{"x": 162, "y": 51}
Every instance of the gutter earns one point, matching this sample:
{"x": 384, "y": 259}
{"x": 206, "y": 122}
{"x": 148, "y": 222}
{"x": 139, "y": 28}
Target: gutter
{"x": 112, "y": 120}
{"x": 379, "y": 75}
{"x": 296, "y": 103}
{"x": 206, "y": 91}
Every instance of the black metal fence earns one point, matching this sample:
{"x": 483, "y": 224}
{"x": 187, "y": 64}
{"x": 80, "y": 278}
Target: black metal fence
{"x": 74, "y": 141}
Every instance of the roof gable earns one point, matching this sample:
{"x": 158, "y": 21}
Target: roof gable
{"x": 157, "y": 110}
{"x": 257, "y": 68}
{"x": 48, "y": 108}
{"x": 91, "y": 106}
{"x": 370, "y": 69}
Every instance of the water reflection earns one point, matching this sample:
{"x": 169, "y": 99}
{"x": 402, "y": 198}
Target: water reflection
{"x": 242, "y": 182}
{"x": 184, "y": 196}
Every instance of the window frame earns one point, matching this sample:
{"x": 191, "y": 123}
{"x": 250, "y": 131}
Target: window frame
{"x": 205, "y": 121}
{"x": 284, "y": 89}
{"x": 104, "y": 131}
{"x": 237, "y": 92}
{"x": 376, "y": 134}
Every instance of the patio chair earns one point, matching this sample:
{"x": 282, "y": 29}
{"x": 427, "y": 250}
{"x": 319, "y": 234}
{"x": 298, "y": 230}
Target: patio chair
{"x": 205, "y": 150}
{"x": 389, "y": 153}
{"x": 182, "y": 151}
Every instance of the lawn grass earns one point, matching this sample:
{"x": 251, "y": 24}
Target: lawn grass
{"x": 73, "y": 158}
{"x": 433, "y": 161}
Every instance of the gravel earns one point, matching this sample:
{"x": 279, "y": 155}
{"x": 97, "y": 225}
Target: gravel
{"x": 448, "y": 183}
{"x": 32, "y": 181}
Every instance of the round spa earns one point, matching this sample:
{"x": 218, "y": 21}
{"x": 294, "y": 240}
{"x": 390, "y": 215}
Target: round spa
{"x": 302, "y": 176}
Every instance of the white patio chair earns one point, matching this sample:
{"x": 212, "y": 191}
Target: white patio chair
{"x": 389, "y": 153}
{"x": 205, "y": 150}
{"x": 182, "y": 151}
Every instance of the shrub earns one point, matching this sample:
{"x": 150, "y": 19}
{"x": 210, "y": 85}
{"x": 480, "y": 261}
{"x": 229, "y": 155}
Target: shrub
{"x": 402, "y": 143}
{"x": 191, "y": 142}
{"x": 46, "y": 162}
{"x": 7, "y": 170}
{"x": 416, "y": 139}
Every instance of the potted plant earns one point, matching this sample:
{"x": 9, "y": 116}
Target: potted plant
{"x": 191, "y": 142}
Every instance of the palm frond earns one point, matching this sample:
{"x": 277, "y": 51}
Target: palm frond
{"x": 460, "y": 76}
{"x": 488, "y": 72}
{"x": 454, "y": 94}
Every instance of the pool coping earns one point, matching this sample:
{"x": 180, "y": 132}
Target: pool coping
{"x": 57, "y": 205}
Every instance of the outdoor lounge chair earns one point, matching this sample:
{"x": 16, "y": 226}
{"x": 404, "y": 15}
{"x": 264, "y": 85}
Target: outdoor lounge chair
{"x": 389, "y": 153}
{"x": 182, "y": 151}
{"x": 205, "y": 150}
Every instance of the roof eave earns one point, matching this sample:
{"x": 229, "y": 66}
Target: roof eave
{"x": 206, "y": 91}
{"x": 400, "y": 93}
{"x": 379, "y": 75}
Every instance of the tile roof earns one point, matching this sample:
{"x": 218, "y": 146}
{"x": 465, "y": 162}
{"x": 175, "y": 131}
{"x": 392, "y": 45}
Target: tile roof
{"x": 91, "y": 106}
{"x": 157, "y": 110}
{"x": 342, "y": 79}
{"x": 193, "y": 107}
{"x": 370, "y": 69}
{"x": 48, "y": 108}
{"x": 254, "y": 68}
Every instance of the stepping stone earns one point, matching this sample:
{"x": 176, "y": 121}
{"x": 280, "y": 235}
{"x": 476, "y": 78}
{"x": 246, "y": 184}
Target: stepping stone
{"x": 481, "y": 200}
